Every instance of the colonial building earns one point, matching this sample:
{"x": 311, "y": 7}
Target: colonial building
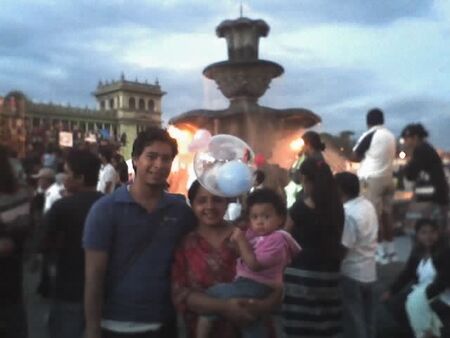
{"x": 123, "y": 109}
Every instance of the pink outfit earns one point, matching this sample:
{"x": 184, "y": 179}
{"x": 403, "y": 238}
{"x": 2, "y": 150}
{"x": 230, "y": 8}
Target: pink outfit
{"x": 274, "y": 252}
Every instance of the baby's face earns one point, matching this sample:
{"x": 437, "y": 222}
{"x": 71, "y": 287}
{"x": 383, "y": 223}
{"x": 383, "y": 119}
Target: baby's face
{"x": 264, "y": 219}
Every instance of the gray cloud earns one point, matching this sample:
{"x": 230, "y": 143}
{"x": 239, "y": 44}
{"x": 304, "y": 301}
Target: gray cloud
{"x": 51, "y": 53}
{"x": 364, "y": 12}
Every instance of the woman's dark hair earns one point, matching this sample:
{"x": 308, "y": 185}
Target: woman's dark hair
{"x": 414, "y": 129}
{"x": 348, "y": 183}
{"x": 8, "y": 179}
{"x": 85, "y": 163}
{"x": 421, "y": 222}
{"x": 327, "y": 204}
{"x": 121, "y": 168}
{"x": 193, "y": 191}
{"x": 313, "y": 140}
{"x": 266, "y": 195}
{"x": 150, "y": 135}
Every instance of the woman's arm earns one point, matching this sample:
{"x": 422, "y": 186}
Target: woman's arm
{"x": 407, "y": 275}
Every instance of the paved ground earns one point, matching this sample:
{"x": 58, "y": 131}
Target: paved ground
{"x": 38, "y": 308}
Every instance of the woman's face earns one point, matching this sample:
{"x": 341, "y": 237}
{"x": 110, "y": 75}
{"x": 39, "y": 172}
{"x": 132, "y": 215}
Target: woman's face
{"x": 208, "y": 208}
{"x": 427, "y": 236}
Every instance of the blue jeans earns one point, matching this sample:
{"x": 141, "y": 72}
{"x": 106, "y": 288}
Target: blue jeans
{"x": 358, "y": 300}
{"x": 13, "y": 321}
{"x": 66, "y": 319}
{"x": 243, "y": 288}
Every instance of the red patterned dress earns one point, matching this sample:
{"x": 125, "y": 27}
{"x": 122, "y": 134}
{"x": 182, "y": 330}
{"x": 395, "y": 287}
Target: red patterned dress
{"x": 198, "y": 266}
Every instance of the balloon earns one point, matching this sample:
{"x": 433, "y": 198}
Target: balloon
{"x": 234, "y": 178}
{"x": 225, "y": 167}
{"x": 201, "y": 139}
{"x": 260, "y": 160}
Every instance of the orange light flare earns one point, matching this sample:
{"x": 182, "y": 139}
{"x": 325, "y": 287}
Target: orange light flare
{"x": 297, "y": 144}
{"x": 179, "y": 174}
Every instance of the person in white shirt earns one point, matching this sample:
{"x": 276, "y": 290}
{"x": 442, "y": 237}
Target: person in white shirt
{"x": 375, "y": 150}
{"x": 54, "y": 192}
{"x": 358, "y": 268}
{"x": 107, "y": 177}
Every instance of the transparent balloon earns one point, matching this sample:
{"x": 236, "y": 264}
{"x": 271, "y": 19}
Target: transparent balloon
{"x": 225, "y": 168}
{"x": 201, "y": 139}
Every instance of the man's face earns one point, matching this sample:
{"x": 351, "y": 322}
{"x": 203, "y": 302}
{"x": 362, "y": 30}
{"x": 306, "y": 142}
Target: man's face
{"x": 71, "y": 183}
{"x": 154, "y": 164}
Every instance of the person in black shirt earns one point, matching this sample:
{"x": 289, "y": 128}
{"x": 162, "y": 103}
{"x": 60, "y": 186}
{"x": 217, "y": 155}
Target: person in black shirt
{"x": 65, "y": 222}
{"x": 15, "y": 223}
{"x": 426, "y": 169}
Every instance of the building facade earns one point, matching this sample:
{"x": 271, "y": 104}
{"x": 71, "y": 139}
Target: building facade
{"x": 124, "y": 108}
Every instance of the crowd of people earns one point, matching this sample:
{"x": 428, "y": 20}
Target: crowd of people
{"x": 125, "y": 258}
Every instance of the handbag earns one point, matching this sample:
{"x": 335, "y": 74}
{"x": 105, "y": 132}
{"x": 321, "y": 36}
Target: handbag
{"x": 423, "y": 189}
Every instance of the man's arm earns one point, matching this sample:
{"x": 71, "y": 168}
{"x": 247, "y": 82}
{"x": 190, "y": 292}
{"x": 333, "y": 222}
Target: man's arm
{"x": 95, "y": 270}
{"x": 108, "y": 187}
{"x": 361, "y": 147}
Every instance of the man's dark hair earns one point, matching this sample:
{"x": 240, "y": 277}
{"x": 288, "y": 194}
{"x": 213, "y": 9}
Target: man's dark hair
{"x": 106, "y": 152}
{"x": 85, "y": 163}
{"x": 266, "y": 195}
{"x": 151, "y": 135}
{"x": 375, "y": 117}
{"x": 348, "y": 183}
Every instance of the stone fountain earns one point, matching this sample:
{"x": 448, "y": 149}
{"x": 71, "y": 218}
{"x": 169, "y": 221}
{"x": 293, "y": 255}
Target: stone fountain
{"x": 243, "y": 79}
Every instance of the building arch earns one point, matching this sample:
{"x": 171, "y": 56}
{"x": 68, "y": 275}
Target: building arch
{"x": 132, "y": 103}
{"x": 151, "y": 105}
{"x": 141, "y": 104}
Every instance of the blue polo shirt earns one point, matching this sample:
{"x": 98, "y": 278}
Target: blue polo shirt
{"x": 138, "y": 291}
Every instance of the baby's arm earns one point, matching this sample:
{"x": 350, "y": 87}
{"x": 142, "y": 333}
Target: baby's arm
{"x": 245, "y": 250}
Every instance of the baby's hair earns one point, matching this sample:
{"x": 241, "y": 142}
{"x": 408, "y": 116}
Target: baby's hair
{"x": 266, "y": 195}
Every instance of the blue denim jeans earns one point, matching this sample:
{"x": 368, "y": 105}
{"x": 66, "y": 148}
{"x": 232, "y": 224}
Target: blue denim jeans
{"x": 66, "y": 320}
{"x": 243, "y": 288}
{"x": 358, "y": 300}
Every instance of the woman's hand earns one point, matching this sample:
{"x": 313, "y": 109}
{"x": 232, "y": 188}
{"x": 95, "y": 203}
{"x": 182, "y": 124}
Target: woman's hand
{"x": 239, "y": 311}
{"x": 238, "y": 235}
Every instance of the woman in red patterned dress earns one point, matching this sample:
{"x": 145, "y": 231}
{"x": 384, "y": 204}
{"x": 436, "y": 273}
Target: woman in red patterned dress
{"x": 204, "y": 258}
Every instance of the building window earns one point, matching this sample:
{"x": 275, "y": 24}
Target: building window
{"x": 102, "y": 105}
{"x": 111, "y": 104}
{"x": 141, "y": 104}
{"x": 36, "y": 122}
{"x": 151, "y": 105}
{"x": 132, "y": 103}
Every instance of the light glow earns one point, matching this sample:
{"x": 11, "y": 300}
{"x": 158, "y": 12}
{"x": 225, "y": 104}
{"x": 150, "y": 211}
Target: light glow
{"x": 297, "y": 144}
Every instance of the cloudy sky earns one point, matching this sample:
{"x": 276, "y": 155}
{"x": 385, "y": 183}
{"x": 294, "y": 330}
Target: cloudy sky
{"x": 340, "y": 57}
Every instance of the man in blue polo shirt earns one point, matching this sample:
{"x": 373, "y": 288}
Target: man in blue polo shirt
{"x": 129, "y": 238}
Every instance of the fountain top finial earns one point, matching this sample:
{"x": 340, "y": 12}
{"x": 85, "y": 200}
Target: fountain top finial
{"x": 242, "y": 36}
